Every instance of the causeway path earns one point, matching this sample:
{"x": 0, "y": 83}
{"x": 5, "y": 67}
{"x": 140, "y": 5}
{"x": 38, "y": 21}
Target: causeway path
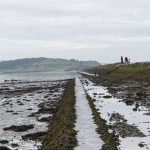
{"x": 87, "y": 137}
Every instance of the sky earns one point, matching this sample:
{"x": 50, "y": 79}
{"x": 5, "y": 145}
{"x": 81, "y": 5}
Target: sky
{"x": 101, "y": 30}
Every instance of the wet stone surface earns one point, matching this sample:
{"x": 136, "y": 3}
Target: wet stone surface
{"x": 126, "y": 111}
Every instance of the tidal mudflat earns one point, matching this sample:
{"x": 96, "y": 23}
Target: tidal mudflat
{"x": 129, "y": 123}
{"x": 26, "y": 109}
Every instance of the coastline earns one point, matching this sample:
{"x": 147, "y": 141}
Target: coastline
{"x": 50, "y": 109}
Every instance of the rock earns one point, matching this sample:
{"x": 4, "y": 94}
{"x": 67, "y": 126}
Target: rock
{"x": 44, "y": 119}
{"x": 117, "y": 117}
{"x": 15, "y": 113}
{"x": 94, "y": 100}
{"x": 4, "y": 148}
{"x": 126, "y": 130}
{"x": 29, "y": 109}
{"x": 141, "y": 145}
{"x": 134, "y": 109}
{"x": 137, "y": 105}
{"x": 94, "y": 93}
{"x": 22, "y": 128}
{"x": 14, "y": 145}
{"x": 9, "y": 111}
{"x": 4, "y": 142}
{"x": 35, "y": 136}
{"x": 129, "y": 102}
{"x": 107, "y": 96}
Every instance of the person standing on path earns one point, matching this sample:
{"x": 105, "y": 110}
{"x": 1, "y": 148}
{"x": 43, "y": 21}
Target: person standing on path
{"x": 126, "y": 60}
{"x": 122, "y": 62}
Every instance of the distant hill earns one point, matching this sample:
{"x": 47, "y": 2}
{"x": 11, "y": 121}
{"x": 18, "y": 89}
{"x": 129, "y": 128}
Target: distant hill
{"x": 44, "y": 64}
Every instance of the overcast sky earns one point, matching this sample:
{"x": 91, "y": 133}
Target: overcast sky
{"x": 101, "y": 30}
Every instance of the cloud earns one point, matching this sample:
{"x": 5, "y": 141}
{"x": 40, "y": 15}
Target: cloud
{"x": 90, "y": 28}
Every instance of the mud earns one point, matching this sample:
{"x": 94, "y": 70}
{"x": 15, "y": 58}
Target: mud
{"x": 126, "y": 117}
{"x": 26, "y": 110}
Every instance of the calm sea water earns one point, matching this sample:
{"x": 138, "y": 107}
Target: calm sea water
{"x": 38, "y": 76}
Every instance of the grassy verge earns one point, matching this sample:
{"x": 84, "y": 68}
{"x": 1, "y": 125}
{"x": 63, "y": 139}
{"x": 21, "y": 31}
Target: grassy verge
{"x": 61, "y": 135}
{"x": 118, "y": 72}
{"x": 110, "y": 141}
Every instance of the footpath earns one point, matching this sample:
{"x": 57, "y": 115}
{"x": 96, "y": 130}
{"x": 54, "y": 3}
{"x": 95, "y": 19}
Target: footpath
{"x": 85, "y": 126}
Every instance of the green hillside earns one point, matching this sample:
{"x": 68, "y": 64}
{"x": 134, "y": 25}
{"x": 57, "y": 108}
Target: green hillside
{"x": 44, "y": 64}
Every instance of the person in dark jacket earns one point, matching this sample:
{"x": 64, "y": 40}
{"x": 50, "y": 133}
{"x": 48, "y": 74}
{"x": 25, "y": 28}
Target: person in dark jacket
{"x": 126, "y": 60}
{"x": 122, "y": 62}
